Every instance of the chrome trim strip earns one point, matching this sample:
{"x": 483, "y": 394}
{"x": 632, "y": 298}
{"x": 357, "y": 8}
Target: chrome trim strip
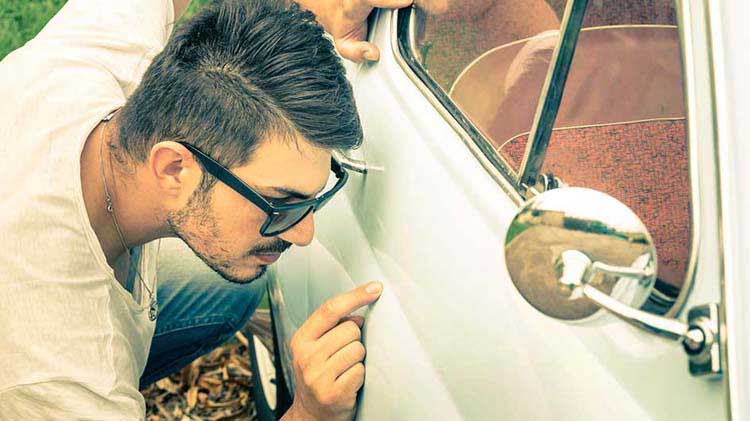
{"x": 691, "y": 107}
{"x": 552, "y": 92}
{"x": 354, "y": 165}
{"x": 734, "y": 362}
{"x": 478, "y": 144}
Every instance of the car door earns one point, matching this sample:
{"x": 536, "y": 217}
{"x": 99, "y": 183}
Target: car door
{"x": 448, "y": 124}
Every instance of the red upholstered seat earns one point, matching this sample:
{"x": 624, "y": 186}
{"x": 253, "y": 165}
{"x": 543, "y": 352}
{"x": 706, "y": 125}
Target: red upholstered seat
{"x": 620, "y": 128}
{"x": 644, "y": 165}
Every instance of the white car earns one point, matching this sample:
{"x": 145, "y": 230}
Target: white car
{"x": 532, "y": 179}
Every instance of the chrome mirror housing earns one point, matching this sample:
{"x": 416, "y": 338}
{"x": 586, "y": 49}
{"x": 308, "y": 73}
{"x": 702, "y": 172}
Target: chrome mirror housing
{"x": 572, "y": 252}
{"x": 567, "y": 237}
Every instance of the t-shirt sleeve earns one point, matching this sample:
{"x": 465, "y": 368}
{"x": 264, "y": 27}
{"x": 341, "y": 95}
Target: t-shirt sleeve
{"x": 62, "y": 400}
{"x": 123, "y": 36}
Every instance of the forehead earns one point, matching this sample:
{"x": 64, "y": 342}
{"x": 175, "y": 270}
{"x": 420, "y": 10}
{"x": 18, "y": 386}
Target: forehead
{"x": 284, "y": 163}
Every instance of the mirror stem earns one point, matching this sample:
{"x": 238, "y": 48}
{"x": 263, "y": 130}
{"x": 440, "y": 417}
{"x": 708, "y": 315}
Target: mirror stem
{"x": 575, "y": 271}
{"x": 671, "y": 328}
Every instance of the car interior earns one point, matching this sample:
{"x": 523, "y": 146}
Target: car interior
{"x": 621, "y": 125}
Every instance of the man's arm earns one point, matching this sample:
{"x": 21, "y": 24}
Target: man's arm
{"x": 66, "y": 399}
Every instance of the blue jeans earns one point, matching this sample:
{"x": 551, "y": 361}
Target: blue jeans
{"x": 198, "y": 310}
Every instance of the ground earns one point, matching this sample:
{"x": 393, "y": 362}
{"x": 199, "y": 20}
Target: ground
{"x": 217, "y": 386}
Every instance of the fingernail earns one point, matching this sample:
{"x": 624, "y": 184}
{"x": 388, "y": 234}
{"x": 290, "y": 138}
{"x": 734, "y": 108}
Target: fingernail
{"x": 370, "y": 55}
{"x": 374, "y": 287}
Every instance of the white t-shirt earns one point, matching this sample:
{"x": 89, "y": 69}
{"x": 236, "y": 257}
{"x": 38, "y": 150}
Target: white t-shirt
{"x": 73, "y": 342}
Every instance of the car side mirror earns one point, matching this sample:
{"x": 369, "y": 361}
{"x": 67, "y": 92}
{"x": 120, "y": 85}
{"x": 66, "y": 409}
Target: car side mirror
{"x": 572, "y": 252}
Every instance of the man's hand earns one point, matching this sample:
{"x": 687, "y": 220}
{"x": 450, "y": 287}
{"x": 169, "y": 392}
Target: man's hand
{"x": 327, "y": 357}
{"x": 346, "y": 20}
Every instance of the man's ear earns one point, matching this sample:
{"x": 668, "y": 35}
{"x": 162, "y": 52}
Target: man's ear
{"x": 174, "y": 169}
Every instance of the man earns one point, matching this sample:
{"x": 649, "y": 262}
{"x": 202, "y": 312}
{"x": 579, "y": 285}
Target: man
{"x": 115, "y": 135}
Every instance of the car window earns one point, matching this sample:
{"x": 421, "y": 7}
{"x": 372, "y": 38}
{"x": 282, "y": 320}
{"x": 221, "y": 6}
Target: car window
{"x": 619, "y": 123}
{"x": 468, "y": 48}
{"x": 621, "y": 127}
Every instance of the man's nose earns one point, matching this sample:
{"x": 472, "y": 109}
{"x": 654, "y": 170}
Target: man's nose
{"x": 302, "y": 233}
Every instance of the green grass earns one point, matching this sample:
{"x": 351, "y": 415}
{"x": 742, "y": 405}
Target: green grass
{"x": 21, "y": 20}
{"x": 514, "y": 230}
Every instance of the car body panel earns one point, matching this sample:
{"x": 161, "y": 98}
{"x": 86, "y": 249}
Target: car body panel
{"x": 730, "y": 33}
{"x": 451, "y": 337}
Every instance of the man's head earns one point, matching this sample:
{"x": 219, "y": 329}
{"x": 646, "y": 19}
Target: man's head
{"x": 257, "y": 87}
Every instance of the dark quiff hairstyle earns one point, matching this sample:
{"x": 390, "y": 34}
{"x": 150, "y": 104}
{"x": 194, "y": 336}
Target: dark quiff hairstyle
{"x": 238, "y": 72}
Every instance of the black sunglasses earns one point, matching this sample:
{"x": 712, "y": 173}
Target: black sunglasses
{"x": 280, "y": 218}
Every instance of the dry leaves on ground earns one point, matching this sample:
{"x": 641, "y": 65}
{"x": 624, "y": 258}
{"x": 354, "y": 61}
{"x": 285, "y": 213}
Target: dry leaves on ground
{"x": 216, "y": 386}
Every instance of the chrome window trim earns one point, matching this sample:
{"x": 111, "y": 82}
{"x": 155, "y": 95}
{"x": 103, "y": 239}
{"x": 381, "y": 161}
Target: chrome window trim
{"x": 402, "y": 27}
{"x": 501, "y": 172}
{"x": 551, "y": 95}
{"x": 691, "y": 101}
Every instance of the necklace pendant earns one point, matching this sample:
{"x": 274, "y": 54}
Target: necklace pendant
{"x": 153, "y": 308}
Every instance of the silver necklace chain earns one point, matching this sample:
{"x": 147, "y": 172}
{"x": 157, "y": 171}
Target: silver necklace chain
{"x": 153, "y": 306}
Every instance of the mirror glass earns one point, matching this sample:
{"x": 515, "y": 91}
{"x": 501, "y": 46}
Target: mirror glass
{"x": 585, "y": 220}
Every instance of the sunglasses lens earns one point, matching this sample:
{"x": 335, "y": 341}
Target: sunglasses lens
{"x": 285, "y": 220}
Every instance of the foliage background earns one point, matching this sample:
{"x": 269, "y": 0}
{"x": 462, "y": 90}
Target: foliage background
{"x": 21, "y": 20}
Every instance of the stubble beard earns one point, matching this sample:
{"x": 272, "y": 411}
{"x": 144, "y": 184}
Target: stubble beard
{"x": 197, "y": 214}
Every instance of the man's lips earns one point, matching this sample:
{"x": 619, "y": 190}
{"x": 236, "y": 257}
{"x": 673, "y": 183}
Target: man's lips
{"x": 267, "y": 258}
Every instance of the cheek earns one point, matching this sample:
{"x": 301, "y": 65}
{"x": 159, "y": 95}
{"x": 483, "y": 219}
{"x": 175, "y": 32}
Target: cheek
{"x": 237, "y": 219}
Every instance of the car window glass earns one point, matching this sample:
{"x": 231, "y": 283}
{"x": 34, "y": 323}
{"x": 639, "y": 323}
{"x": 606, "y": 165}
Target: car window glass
{"x": 471, "y": 48}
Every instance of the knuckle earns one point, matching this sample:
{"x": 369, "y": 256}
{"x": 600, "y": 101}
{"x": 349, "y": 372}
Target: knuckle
{"x": 301, "y": 358}
{"x": 303, "y": 362}
{"x": 352, "y": 330}
{"x": 309, "y": 379}
{"x": 328, "y": 308}
{"x": 359, "y": 370}
{"x": 326, "y": 397}
{"x": 296, "y": 344}
{"x": 359, "y": 350}
{"x": 358, "y": 375}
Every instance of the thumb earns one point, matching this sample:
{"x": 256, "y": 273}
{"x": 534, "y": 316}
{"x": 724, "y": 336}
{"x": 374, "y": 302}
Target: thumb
{"x": 357, "y": 51}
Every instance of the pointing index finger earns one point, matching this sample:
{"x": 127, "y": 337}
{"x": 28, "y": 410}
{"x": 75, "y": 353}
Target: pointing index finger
{"x": 328, "y": 315}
